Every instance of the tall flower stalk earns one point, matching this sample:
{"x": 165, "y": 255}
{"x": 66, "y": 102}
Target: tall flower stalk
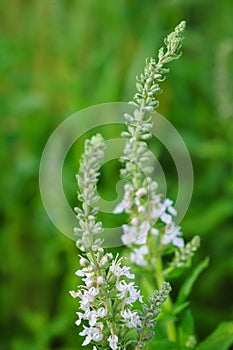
{"x": 151, "y": 232}
{"x": 112, "y": 310}
{"x": 108, "y": 293}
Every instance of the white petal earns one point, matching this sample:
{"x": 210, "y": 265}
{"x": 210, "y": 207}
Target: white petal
{"x": 120, "y": 207}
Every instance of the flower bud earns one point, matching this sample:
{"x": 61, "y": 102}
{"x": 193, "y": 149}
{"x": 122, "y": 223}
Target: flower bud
{"x": 83, "y": 262}
{"x": 100, "y": 280}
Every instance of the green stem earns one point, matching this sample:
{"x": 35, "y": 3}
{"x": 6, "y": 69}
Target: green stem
{"x": 170, "y": 326}
{"x": 141, "y": 336}
{"x": 106, "y": 296}
{"x": 137, "y": 170}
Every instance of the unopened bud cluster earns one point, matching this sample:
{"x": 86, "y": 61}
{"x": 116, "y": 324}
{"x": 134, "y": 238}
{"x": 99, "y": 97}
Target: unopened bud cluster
{"x": 151, "y": 312}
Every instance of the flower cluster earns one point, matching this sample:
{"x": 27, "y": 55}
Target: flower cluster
{"x": 146, "y": 207}
{"x": 150, "y": 214}
{"x": 111, "y": 308}
{"x": 106, "y": 299}
{"x": 108, "y": 293}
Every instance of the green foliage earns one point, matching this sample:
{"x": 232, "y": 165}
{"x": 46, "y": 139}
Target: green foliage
{"x": 187, "y": 286}
{"x": 57, "y": 57}
{"x": 221, "y": 338}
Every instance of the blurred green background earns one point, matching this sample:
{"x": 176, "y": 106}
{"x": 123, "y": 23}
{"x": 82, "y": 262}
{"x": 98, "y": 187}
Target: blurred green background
{"x": 60, "y": 56}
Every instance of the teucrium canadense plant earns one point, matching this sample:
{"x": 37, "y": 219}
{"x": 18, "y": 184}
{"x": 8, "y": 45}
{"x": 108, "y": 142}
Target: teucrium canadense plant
{"x": 112, "y": 311}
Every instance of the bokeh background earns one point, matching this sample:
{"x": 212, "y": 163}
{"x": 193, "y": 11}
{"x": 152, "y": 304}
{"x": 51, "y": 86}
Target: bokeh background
{"x": 59, "y": 56}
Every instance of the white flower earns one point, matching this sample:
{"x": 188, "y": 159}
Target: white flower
{"x": 83, "y": 261}
{"x": 134, "y": 221}
{"x": 164, "y": 210}
{"x": 126, "y": 202}
{"x": 153, "y": 186}
{"x": 154, "y": 231}
{"x": 141, "y": 192}
{"x": 80, "y": 317}
{"x": 178, "y": 242}
{"x": 143, "y": 232}
{"x": 93, "y": 292}
{"x": 141, "y": 208}
{"x": 135, "y": 234}
{"x": 132, "y": 318}
{"x": 166, "y": 218}
{"x": 100, "y": 280}
{"x": 88, "y": 281}
{"x": 173, "y": 235}
{"x": 120, "y": 208}
{"x": 91, "y": 316}
{"x": 156, "y": 210}
{"x": 105, "y": 259}
{"x": 168, "y": 204}
{"x": 92, "y": 333}
{"x": 121, "y": 271}
{"x": 125, "y": 271}
{"x": 123, "y": 288}
{"x": 87, "y": 277}
{"x": 129, "y": 234}
{"x": 74, "y": 294}
{"x": 87, "y": 297}
{"x": 126, "y": 289}
{"x": 80, "y": 273}
{"x": 113, "y": 340}
{"x": 137, "y": 256}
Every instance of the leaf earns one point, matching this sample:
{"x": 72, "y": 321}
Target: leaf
{"x": 221, "y": 338}
{"x": 163, "y": 345}
{"x": 190, "y": 280}
{"x": 176, "y": 309}
{"x": 186, "y": 331}
{"x": 187, "y": 323}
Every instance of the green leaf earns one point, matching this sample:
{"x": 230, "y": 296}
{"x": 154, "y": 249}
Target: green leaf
{"x": 187, "y": 323}
{"x": 163, "y": 345}
{"x": 221, "y": 338}
{"x": 176, "y": 309}
{"x": 190, "y": 280}
{"x": 186, "y": 331}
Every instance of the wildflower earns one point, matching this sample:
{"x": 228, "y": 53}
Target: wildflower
{"x": 173, "y": 235}
{"x": 138, "y": 255}
{"x": 121, "y": 271}
{"x": 132, "y": 319}
{"x": 103, "y": 275}
{"x": 120, "y": 207}
{"x": 136, "y": 234}
{"x": 92, "y": 333}
{"x": 74, "y": 294}
{"x": 128, "y": 289}
{"x": 113, "y": 340}
{"x": 141, "y": 192}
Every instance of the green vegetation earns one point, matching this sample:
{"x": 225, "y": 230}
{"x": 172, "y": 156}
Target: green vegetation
{"x": 57, "y": 57}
